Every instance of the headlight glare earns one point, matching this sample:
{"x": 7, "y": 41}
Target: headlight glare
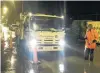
{"x": 31, "y": 71}
{"x": 61, "y": 67}
{"x": 33, "y": 42}
{"x": 62, "y": 43}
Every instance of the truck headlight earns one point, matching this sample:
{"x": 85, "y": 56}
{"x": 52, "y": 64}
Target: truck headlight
{"x": 62, "y": 43}
{"x": 33, "y": 42}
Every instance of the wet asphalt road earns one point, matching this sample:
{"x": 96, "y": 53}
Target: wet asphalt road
{"x": 72, "y": 59}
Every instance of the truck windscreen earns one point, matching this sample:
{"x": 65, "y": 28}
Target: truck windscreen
{"x": 47, "y": 24}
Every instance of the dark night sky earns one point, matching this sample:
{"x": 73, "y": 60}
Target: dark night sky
{"x": 44, "y": 7}
{"x": 74, "y": 9}
{"x": 84, "y": 10}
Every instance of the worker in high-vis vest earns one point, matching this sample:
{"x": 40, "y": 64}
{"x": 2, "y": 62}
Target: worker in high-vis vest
{"x": 91, "y": 38}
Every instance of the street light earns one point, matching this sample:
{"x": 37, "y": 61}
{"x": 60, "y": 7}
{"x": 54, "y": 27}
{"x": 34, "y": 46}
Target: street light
{"x": 5, "y": 10}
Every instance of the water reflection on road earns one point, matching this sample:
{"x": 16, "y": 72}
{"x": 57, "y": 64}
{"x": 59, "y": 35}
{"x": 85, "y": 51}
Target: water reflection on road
{"x": 72, "y": 62}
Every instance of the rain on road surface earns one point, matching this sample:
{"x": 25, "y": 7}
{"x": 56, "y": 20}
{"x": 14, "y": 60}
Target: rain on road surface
{"x": 73, "y": 62}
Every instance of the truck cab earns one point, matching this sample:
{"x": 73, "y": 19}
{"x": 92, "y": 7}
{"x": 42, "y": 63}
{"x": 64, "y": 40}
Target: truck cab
{"x": 48, "y": 33}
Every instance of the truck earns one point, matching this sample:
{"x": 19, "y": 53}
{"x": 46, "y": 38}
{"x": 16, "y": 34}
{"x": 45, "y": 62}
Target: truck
{"x": 42, "y": 33}
{"x": 48, "y": 32}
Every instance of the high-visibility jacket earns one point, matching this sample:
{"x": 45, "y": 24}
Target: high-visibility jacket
{"x": 90, "y": 36}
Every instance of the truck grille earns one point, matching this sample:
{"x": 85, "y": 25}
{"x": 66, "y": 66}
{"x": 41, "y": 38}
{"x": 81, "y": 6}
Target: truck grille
{"x": 46, "y": 41}
{"x": 48, "y": 44}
